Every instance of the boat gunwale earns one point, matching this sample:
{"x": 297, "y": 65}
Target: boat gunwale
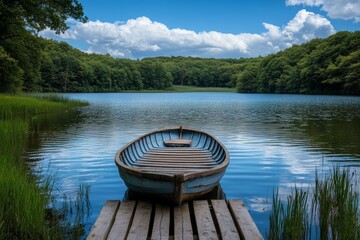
{"x": 170, "y": 176}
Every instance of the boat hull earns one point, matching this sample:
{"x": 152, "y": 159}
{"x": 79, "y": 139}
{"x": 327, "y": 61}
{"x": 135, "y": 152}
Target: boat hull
{"x": 174, "y": 164}
{"x": 176, "y": 191}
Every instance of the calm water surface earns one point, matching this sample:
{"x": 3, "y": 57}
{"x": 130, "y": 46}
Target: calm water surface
{"x": 275, "y": 141}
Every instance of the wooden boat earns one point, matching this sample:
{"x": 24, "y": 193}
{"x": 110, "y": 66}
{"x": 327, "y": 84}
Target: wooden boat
{"x": 175, "y": 164}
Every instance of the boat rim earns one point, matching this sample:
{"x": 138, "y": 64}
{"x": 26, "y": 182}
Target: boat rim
{"x": 170, "y": 176}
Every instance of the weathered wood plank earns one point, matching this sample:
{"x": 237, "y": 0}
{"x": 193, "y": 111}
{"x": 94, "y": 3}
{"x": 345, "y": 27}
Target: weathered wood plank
{"x": 185, "y": 157}
{"x": 140, "y": 225}
{"x": 178, "y": 142}
{"x": 176, "y": 161}
{"x": 226, "y": 224}
{"x": 169, "y": 172}
{"x": 140, "y": 164}
{"x": 161, "y": 226}
{"x": 128, "y": 220}
{"x": 122, "y": 221}
{"x": 183, "y": 166}
{"x": 204, "y": 222}
{"x": 243, "y": 220}
{"x": 182, "y": 223}
{"x": 173, "y": 156}
{"x": 161, "y": 151}
{"x": 177, "y": 149}
{"x": 103, "y": 223}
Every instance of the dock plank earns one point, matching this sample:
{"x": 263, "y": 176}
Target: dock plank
{"x": 201, "y": 219}
{"x": 226, "y": 224}
{"x": 243, "y": 220}
{"x": 161, "y": 226}
{"x": 182, "y": 222}
{"x": 204, "y": 222}
{"x": 140, "y": 225}
{"x": 122, "y": 221}
{"x": 103, "y": 223}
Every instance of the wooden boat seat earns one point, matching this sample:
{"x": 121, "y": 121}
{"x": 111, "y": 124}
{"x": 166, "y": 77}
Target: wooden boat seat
{"x": 178, "y": 143}
{"x": 175, "y": 160}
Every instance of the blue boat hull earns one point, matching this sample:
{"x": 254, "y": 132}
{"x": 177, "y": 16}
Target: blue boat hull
{"x": 149, "y": 166}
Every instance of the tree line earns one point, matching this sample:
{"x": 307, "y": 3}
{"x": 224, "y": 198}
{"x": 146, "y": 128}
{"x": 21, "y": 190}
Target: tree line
{"x": 31, "y": 63}
{"x": 321, "y": 66}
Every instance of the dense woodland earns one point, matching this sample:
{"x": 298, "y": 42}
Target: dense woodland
{"x": 30, "y": 63}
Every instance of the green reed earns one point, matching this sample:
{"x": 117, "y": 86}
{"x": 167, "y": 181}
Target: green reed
{"x": 335, "y": 205}
{"x": 289, "y": 221}
{"x": 332, "y": 211}
{"x": 32, "y": 105}
{"x": 21, "y": 206}
{"x": 24, "y": 198}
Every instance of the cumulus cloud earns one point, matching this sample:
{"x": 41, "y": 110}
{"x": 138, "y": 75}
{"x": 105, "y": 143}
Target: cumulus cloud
{"x": 142, "y": 37}
{"x": 337, "y": 9}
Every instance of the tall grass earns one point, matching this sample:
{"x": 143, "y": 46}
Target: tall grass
{"x": 332, "y": 213}
{"x": 23, "y": 198}
{"x": 21, "y": 206}
{"x": 335, "y": 205}
{"x": 29, "y": 106}
{"x": 289, "y": 221}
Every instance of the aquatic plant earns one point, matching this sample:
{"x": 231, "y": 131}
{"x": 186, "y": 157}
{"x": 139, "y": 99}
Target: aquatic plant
{"x": 333, "y": 213}
{"x": 289, "y": 221}
{"x": 29, "y": 106}
{"x": 24, "y": 198}
{"x": 335, "y": 205}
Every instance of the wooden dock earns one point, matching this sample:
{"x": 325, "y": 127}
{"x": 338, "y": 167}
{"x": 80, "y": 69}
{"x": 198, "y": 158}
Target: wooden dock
{"x": 201, "y": 219}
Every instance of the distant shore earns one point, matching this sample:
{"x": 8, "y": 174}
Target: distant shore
{"x": 181, "y": 88}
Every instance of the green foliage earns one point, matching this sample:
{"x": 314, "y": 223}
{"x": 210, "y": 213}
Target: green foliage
{"x": 18, "y": 21}
{"x": 10, "y": 73}
{"x": 24, "y": 198}
{"x": 336, "y": 205}
{"x": 334, "y": 211}
{"x": 289, "y": 221}
{"x": 321, "y": 66}
{"x": 25, "y": 48}
{"x": 326, "y": 66}
{"x": 40, "y": 14}
{"x": 33, "y": 64}
{"x": 247, "y": 78}
{"x": 12, "y": 107}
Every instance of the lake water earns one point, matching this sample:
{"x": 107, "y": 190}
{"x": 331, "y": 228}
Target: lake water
{"x": 275, "y": 141}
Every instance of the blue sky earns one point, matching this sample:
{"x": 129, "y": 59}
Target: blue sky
{"x": 220, "y": 29}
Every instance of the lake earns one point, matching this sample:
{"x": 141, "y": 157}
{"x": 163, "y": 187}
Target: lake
{"x": 274, "y": 141}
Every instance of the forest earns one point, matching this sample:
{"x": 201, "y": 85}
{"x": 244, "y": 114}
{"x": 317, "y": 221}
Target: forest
{"x": 33, "y": 64}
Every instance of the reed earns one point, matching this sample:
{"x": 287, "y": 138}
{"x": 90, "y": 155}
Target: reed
{"x": 29, "y": 106}
{"x": 21, "y": 206}
{"x": 23, "y": 197}
{"x": 335, "y": 205}
{"x": 289, "y": 221}
{"x": 331, "y": 213}
{"x": 295, "y": 218}
{"x": 276, "y": 221}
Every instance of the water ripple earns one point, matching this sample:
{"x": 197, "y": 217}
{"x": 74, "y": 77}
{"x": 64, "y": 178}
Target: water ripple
{"x": 273, "y": 140}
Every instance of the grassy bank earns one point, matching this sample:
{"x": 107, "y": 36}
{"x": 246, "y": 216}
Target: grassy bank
{"x": 182, "y": 88}
{"x": 23, "y": 197}
{"x": 329, "y": 211}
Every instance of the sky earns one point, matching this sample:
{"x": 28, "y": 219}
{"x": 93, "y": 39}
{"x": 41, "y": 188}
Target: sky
{"x": 205, "y": 28}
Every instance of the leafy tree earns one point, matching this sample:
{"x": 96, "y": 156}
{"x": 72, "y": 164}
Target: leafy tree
{"x": 39, "y": 14}
{"x": 19, "y": 18}
{"x": 10, "y": 73}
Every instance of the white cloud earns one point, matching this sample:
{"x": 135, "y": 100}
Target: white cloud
{"x": 337, "y": 9}
{"x": 141, "y": 37}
